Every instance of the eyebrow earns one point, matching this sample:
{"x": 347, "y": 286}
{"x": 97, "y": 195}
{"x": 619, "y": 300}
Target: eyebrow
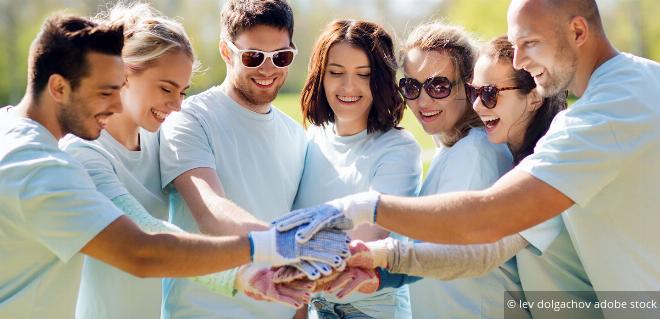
{"x": 176, "y": 85}
{"x": 109, "y": 87}
{"x": 341, "y": 66}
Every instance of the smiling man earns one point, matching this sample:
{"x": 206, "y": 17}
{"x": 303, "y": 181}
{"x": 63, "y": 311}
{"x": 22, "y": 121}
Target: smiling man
{"x": 230, "y": 143}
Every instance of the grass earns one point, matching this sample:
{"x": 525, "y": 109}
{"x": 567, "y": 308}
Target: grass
{"x": 289, "y": 103}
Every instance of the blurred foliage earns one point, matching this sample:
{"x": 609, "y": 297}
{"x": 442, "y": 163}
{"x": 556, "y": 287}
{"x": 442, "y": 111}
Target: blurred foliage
{"x": 631, "y": 24}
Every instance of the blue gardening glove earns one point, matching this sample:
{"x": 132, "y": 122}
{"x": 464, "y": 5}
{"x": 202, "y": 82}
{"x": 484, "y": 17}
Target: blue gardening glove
{"x": 344, "y": 213}
{"x": 280, "y": 248}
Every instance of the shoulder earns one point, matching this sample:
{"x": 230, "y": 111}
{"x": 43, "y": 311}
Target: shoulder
{"x": 396, "y": 138}
{"x": 476, "y": 146}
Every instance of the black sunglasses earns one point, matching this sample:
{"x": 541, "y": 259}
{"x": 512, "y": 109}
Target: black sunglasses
{"x": 437, "y": 87}
{"x": 255, "y": 58}
{"x": 488, "y": 94}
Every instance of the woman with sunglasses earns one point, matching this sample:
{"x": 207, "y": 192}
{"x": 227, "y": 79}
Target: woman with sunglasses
{"x": 123, "y": 163}
{"x": 437, "y": 63}
{"x": 355, "y": 144}
{"x": 514, "y": 115}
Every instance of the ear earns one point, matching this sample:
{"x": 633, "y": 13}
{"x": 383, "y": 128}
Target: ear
{"x": 579, "y": 28}
{"x": 225, "y": 53}
{"x": 58, "y": 88}
{"x": 534, "y": 100}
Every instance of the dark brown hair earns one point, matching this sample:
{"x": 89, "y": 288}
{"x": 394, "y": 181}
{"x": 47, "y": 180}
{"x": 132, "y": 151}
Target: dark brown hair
{"x": 387, "y": 108}
{"x": 61, "y": 47}
{"x": 240, "y": 15}
{"x": 456, "y": 44}
{"x": 501, "y": 49}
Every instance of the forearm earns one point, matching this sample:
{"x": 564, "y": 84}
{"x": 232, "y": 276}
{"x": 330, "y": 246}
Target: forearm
{"x": 221, "y": 283}
{"x": 394, "y": 280}
{"x": 516, "y": 202}
{"x": 214, "y": 214}
{"x": 447, "y": 262}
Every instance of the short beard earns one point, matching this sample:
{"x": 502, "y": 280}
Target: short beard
{"x": 563, "y": 73}
{"x": 71, "y": 120}
{"x": 253, "y": 99}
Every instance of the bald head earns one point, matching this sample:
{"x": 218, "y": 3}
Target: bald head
{"x": 559, "y": 11}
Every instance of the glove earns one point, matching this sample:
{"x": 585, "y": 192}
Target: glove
{"x": 350, "y": 280}
{"x": 257, "y": 283}
{"x": 372, "y": 254}
{"x": 281, "y": 248}
{"x": 310, "y": 270}
{"x": 344, "y": 213}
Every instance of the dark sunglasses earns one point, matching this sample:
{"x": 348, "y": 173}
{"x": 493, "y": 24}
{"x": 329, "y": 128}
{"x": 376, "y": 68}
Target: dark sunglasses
{"x": 488, "y": 94}
{"x": 437, "y": 87}
{"x": 255, "y": 58}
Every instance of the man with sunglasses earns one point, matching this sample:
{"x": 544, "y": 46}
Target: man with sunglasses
{"x": 598, "y": 164}
{"x": 229, "y": 143}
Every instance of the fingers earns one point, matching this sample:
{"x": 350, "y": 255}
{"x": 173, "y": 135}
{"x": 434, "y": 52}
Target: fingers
{"x": 361, "y": 256}
{"x": 322, "y": 256}
{"x": 361, "y": 277}
{"x": 293, "y": 219}
{"x": 323, "y": 268}
{"x": 286, "y": 274}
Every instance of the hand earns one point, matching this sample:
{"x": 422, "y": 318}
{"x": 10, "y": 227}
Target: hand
{"x": 281, "y": 248}
{"x": 310, "y": 270}
{"x": 344, "y": 213}
{"x": 257, "y": 284}
{"x": 350, "y": 280}
{"x": 371, "y": 255}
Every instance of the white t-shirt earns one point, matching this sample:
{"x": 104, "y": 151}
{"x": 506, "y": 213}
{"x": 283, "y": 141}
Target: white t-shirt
{"x": 49, "y": 210}
{"x": 105, "y": 291}
{"x": 604, "y": 153}
{"x": 473, "y": 163}
{"x": 259, "y": 160}
{"x": 337, "y": 166}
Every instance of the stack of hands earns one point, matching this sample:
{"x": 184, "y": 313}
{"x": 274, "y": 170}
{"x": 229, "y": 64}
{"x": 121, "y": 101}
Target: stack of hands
{"x": 310, "y": 252}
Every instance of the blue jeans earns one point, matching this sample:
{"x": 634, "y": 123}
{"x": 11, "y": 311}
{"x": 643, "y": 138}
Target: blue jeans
{"x": 330, "y": 310}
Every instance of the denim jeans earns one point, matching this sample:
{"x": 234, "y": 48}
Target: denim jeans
{"x": 330, "y": 310}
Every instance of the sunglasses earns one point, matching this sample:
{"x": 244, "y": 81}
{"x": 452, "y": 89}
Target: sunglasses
{"x": 488, "y": 94}
{"x": 437, "y": 87}
{"x": 255, "y": 58}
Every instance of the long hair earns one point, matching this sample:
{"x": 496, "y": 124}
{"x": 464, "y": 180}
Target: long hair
{"x": 387, "y": 109}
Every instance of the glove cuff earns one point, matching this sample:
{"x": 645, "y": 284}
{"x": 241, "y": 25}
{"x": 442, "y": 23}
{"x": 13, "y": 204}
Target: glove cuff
{"x": 262, "y": 246}
{"x": 361, "y": 208}
{"x": 381, "y": 251}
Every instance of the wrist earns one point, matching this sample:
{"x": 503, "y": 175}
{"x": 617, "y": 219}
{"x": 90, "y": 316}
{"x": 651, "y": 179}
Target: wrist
{"x": 261, "y": 245}
{"x": 361, "y": 208}
{"x": 381, "y": 251}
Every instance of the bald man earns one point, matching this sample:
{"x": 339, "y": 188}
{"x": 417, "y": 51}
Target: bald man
{"x": 599, "y": 163}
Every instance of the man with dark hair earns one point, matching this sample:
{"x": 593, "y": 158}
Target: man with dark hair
{"x": 598, "y": 164}
{"x": 231, "y": 143}
{"x": 49, "y": 207}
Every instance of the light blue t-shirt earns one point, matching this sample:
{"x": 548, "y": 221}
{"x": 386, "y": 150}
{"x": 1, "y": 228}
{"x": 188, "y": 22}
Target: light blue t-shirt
{"x": 551, "y": 264}
{"x": 604, "y": 153}
{"x": 49, "y": 210}
{"x": 337, "y": 166}
{"x": 259, "y": 160}
{"x": 105, "y": 291}
{"x": 473, "y": 163}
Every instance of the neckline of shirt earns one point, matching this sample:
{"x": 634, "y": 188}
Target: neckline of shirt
{"x": 242, "y": 111}
{"x": 344, "y": 140}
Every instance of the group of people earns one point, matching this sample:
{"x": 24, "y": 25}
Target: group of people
{"x": 106, "y": 157}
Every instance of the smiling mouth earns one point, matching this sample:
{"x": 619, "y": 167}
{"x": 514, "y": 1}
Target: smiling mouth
{"x": 160, "y": 116}
{"x": 490, "y": 121}
{"x": 264, "y": 83}
{"x": 430, "y": 115}
{"x": 348, "y": 99}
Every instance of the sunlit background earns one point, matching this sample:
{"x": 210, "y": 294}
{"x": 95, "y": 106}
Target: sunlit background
{"x": 632, "y": 25}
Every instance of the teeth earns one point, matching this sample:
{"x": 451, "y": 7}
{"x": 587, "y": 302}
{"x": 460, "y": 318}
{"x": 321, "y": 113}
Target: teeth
{"x": 265, "y": 82}
{"x": 348, "y": 98}
{"x": 431, "y": 113}
{"x": 159, "y": 115}
{"x": 487, "y": 118}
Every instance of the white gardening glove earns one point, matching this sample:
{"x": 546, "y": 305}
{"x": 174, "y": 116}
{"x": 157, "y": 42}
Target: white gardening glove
{"x": 281, "y": 248}
{"x": 371, "y": 254}
{"x": 344, "y": 213}
{"x": 257, "y": 283}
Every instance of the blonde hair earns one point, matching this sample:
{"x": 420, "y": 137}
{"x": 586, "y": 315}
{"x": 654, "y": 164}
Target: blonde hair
{"x": 148, "y": 34}
{"x": 458, "y": 45}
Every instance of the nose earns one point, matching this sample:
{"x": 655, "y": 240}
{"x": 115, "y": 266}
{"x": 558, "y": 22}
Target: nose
{"x": 519, "y": 58}
{"x": 116, "y": 106}
{"x": 267, "y": 68}
{"x": 424, "y": 100}
{"x": 175, "y": 105}
{"x": 477, "y": 106}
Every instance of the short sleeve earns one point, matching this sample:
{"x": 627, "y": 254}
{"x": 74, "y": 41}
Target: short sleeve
{"x": 99, "y": 168}
{"x": 541, "y": 236}
{"x": 578, "y": 156}
{"x": 62, "y": 207}
{"x": 184, "y": 145}
{"x": 399, "y": 170}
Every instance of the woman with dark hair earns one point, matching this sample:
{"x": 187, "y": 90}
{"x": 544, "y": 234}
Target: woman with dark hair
{"x": 355, "y": 144}
{"x": 516, "y": 115}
